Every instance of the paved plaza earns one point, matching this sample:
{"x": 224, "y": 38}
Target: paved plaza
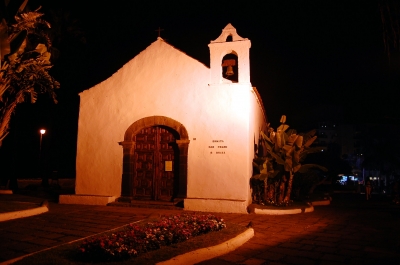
{"x": 349, "y": 231}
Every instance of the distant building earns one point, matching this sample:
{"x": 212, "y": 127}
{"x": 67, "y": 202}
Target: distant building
{"x": 327, "y": 133}
{"x": 368, "y": 148}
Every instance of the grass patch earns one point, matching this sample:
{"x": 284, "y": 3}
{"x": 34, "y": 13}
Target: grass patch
{"x": 67, "y": 254}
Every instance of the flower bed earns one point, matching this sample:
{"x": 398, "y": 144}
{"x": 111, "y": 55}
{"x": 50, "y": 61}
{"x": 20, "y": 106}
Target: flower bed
{"x": 139, "y": 239}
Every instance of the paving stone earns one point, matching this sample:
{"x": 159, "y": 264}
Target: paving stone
{"x": 274, "y": 263}
{"x": 67, "y": 239}
{"x": 33, "y": 249}
{"x": 299, "y": 261}
{"x": 94, "y": 230}
{"x": 354, "y": 242}
{"x": 254, "y": 262}
{"x": 270, "y": 256}
{"x": 329, "y": 262}
{"x": 314, "y": 255}
{"x": 308, "y": 235}
{"x": 52, "y": 235}
{"x": 328, "y": 239}
{"x": 250, "y": 250}
{"x": 291, "y": 245}
{"x": 44, "y": 242}
{"x": 350, "y": 253}
{"x": 326, "y": 249}
{"x": 22, "y": 246}
{"x": 328, "y": 234}
{"x": 216, "y": 261}
{"x": 311, "y": 238}
{"x": 372, "y": 261}
{"x": 337, "y": 228}
{"x": 308, "y": 241}
{"x": 307, "y": 247}
{"x": 264, "y": 241}
{"x": 325, "y": 243}
{"x": 7, "y": 254}
{"x": 350, "y": 246}
{"x": 286, "y": 251}
{"x": 332, "y": 257}
{"x": 290, "y": 234}
{"x": 233, "y": 258}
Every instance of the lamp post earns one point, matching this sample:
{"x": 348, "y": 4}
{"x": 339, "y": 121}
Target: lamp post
{"x": 44, "y": 180}
{"x": 42, "y": 131}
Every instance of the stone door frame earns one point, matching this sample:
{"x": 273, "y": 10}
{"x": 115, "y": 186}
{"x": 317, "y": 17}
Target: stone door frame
{"x": 128, "y": 145}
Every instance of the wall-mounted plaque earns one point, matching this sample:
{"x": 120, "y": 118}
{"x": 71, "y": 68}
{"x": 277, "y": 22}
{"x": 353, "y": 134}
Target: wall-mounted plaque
{"x": 168, "y": 165}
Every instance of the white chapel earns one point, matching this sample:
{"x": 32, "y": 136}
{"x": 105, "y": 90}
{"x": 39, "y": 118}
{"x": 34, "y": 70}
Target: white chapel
{"x": 186, "y": 134}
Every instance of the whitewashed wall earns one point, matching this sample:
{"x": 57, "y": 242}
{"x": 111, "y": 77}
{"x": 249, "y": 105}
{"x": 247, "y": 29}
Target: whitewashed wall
{"x": 163, "y": 81}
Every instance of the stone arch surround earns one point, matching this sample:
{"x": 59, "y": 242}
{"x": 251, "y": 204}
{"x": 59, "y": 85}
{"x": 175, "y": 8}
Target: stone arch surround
{"x": 128, "y": 145}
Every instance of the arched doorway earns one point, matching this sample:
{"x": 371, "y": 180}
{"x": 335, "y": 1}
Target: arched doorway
{"x": 155, "y": 159}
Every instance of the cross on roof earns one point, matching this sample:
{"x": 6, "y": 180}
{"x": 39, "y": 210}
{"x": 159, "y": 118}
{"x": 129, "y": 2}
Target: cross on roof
{"x": 159, "y": 31}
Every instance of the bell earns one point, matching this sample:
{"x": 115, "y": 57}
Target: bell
{"x": 229, "y": 70}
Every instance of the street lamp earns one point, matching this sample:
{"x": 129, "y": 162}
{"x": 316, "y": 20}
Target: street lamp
{"x": 42, "y": 131}
{"x": 44, "y": 182}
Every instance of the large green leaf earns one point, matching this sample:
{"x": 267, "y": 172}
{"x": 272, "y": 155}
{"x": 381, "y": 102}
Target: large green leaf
{"x": 283, "y": 119}
{"x": 298, "y": 142}
{"x": 283, "y": 127}
{"x": 266, "y": 139}
{"x": 264, "y": 169}
{"x": 274, "y": 174}
{"x": 17, "y": 41}
{"x": 263, "y": 176}
{"x": 277, "y": 158}
{"x": 4, "y": 42}
{"x": 263, "y": 135}
{"x": 306, "y": 167}
{"x": 268, "y": 146}
{"x": 311, "y": 150}
{"x": 309, "y": 142}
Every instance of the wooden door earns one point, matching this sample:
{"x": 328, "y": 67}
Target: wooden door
{"x": 154, "y": 149}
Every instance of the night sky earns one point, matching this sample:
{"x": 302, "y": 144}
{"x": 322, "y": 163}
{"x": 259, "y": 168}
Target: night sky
{"x": 310, "y": 60}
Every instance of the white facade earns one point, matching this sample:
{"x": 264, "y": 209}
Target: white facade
{"x": 217, "y": 121}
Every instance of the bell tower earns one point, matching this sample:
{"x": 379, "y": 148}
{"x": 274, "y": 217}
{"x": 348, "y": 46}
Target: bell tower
{"x": 229, "y": 52}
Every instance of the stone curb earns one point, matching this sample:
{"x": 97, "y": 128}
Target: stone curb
{"x": 203, "y": 254}
{"x": 320, "y": 203}
{"x": 24, "y": 213}
{"x": 308, "y": 209}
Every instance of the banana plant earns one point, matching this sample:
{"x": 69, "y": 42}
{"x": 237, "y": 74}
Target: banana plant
{"x": 24, "y": 59}
{"x": 285, "y": 151}
{"x": 8, "y": 9}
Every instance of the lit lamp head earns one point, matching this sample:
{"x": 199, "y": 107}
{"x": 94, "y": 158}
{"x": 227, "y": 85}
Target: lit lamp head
{"x": 42, "y": 131}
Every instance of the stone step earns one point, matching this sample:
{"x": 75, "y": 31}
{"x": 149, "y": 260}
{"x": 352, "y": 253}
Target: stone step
{"x": 126, "y": 202}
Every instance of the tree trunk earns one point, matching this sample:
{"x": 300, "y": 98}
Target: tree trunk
{"x": 289, "y": 188}
{"x": 281, "y": 191}
{"x": 5, "y": 120}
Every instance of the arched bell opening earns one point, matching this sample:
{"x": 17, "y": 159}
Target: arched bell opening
{"x": 230, "y": 69}
{"x": 155, "y": 160}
